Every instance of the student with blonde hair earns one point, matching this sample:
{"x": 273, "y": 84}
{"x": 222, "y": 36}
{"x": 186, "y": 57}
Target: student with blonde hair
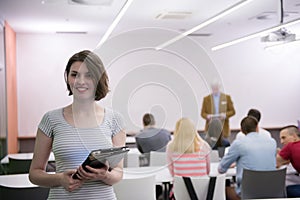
{"x": 187, "y": 153}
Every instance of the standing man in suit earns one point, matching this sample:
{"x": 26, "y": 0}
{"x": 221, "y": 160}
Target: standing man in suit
{"x": 219, "y": 105}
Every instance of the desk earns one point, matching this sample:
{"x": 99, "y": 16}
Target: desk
{"x": 16, "y": 181}
{"x": 134, "y": 150}
{"x": 161, "y": 173}
{"x": 18, "y": 186}
{"x": 130, "y": 141}
{"x": 214, "y": 170}
{"x": 162, "y": 176}
{"x": 23, "y": 156}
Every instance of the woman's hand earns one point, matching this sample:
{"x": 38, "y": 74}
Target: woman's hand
{"x": 93, "y": 174}
{"x": 68, "y": 182}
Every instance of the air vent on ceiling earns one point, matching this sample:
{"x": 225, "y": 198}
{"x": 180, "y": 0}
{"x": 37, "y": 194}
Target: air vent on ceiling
{"x": 173, "y": 15}
{"x": 91, "y": 2}
{"x": 200, "y": 34}
{"x": 71, "y": 32}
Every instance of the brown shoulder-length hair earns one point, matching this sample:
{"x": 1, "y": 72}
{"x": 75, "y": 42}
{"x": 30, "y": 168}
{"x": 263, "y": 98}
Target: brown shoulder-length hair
{"x": 95, "y": 67}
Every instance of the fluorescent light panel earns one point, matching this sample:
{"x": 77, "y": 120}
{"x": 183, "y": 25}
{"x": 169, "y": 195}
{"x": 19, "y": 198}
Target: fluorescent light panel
{"x": 115, "y": 22}
{"x": 207, "y": 22}
{"x": 260, "y": 33}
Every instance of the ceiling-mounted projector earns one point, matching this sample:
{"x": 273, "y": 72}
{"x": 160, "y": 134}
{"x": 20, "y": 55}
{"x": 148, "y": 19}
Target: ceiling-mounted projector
{"x": 281, "y": 35}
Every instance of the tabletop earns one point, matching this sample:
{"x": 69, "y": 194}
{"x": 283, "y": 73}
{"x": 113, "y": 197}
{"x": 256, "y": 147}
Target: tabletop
{"x": 16, "y": 181}
{"x": 161, "y": 173}
{"x": 23, "y": 156}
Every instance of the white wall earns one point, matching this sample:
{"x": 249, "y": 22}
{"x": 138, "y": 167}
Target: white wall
{"x": 169, "y": 83}
{"x": 266, "y": 80}
{"x": 41, "y": 60}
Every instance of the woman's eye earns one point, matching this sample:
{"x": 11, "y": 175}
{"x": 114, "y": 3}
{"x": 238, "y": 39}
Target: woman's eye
{"x": 74, "y": 75}
{"x": 88, "y": 75}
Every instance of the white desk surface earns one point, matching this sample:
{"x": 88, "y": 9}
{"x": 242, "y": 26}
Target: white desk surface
{"x": 28, "y": 156}
{"x": 24, "y": 156}
{"x": 16, "y": 181}
{"x": 130, "y": 140}
{"x": 134, "y": 150}
{"x": 214, "y": 170}
{"x": 162, "y": 174}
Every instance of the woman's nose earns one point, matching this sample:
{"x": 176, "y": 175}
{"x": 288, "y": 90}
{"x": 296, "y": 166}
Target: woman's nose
{"x": 80, "y": 79}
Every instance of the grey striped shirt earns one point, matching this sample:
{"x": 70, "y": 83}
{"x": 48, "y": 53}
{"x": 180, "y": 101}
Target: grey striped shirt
{"x": 71, "y": 146}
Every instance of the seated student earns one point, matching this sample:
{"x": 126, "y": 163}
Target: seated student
{"x": 255, "y": 113}
{"x": 151, "y": 138}
{"x": 214, "y": 136}
{"x": 254, "y": 151}
{"x": 290, "y": 153}
{"x": 188, "y": 146}
{"x": 187, "y": 153}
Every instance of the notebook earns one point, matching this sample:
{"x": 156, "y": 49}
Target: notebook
{"x": 98, "y": 158}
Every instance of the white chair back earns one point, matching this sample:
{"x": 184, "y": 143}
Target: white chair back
{"x": 158, "y": 158}
{"x": 140, "y": 187}
{"x": 214, "y": 156}
{"x": 201, "y": 186}
{"x": 131, "y": 159}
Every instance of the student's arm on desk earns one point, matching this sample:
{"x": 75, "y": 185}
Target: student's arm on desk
{"x": 280, "y": 161}
{"x": 229, "y": 160}
{"x": 37, "y": 172}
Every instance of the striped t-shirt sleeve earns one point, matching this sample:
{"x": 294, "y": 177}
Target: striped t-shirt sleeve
{"x": 117, "y": 123}
{"x": 45, "y": 125}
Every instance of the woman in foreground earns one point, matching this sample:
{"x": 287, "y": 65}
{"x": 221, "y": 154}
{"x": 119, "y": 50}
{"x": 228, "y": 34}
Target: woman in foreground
{"x": 73, "y": 131}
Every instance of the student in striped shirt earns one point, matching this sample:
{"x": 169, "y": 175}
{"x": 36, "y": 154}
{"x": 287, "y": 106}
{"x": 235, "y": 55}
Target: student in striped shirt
{"x": 187, "y": 153}
{"x": 72, "y": 131}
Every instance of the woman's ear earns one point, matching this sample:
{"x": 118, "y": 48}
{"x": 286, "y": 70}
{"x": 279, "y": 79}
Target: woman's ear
{"x": 66, "y": 77}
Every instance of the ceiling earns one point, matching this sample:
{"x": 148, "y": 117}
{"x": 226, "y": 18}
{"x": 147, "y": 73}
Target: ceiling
{"x": 52, "y": 16}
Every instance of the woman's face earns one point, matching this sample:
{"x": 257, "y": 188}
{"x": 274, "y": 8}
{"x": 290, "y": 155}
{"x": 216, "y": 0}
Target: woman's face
{"x": 81, "y": 81}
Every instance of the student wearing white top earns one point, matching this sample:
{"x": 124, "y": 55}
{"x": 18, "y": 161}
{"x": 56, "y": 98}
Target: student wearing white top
{"x": 256, "y": 114}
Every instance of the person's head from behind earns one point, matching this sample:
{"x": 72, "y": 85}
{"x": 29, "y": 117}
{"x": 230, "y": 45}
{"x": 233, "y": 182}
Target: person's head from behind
{"x": 249, "y": 124}
{"x": 186, "y": 137}
{"x": 215, "y": 127}
{"x": 83, "y": 68}
{"x": 148, "y": 120}
{"x": 289, "y": 134}
{"x": 254, "y": 113}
